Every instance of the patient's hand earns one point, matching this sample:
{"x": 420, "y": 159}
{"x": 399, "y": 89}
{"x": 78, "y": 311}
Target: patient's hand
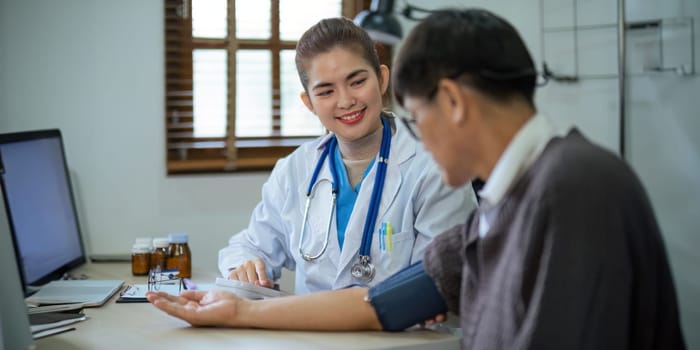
{"x": 200, "y": 308}
{"x": 251, "y": 271}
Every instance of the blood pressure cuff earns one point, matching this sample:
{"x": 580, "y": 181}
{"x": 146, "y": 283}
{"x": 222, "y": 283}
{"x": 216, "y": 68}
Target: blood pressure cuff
{"x": 406, "y": 298}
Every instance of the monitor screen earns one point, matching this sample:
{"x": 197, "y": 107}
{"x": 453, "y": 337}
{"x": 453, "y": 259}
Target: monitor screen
{"x": 39, "y": 203}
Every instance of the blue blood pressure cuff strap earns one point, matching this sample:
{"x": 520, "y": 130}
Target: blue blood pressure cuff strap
{"x": 406, "y": 299}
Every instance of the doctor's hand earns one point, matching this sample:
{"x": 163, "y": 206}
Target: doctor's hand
{"x": 200, "y": 308}
{"x": 251, "y": 271}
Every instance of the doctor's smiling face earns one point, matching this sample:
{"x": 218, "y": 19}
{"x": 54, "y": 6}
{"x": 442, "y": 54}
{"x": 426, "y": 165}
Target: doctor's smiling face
{"x": 343, "y": 81}
{"x": 345, "y": 92}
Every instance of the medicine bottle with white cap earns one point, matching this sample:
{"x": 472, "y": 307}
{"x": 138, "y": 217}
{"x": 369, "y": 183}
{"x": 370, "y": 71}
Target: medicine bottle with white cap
{"x": 159, "y": 255}
{"x": 179, "y": 255}
{"x": 140, "y": 258}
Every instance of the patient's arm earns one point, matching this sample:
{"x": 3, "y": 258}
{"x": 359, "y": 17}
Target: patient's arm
{"x": 406, "y": 298}
{"x": 343, "y": 309}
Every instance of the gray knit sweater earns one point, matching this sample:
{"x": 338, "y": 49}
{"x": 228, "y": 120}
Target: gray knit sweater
{"x": 574, "y": 260}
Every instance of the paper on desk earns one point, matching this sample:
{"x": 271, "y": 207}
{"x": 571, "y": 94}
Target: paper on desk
{"x": 42, "y": 322}
{"x": 33, "y": 309}
{"x": 52, "y": 331}
{"x": 137, "y": 292}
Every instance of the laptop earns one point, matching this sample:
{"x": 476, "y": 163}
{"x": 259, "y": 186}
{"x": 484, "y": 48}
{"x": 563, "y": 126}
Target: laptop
{"x": 14, "y": 322}
{"x": 43, "y": 220}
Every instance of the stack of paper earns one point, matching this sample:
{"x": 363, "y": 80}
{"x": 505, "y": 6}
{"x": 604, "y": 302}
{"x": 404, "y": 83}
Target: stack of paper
{"x": 47, "y": 323}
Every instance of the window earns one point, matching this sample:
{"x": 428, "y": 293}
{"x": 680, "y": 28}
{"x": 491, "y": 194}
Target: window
{"x": 232, "y": 90}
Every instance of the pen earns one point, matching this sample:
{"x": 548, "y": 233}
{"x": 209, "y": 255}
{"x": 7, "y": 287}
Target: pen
{"x": 382, "y": 235}
{"x": 388, "y": 236}
{"x": 381, "y": 240}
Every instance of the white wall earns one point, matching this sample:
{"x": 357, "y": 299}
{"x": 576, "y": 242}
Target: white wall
{"x": 94, "y": 69}
{"x": 664, "y": 148}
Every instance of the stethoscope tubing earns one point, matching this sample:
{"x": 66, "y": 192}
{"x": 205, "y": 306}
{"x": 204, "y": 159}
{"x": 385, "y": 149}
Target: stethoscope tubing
{"x": 375, "y": 198}
{"x": 330, "y": 147}
{"x": 309, "y": 257}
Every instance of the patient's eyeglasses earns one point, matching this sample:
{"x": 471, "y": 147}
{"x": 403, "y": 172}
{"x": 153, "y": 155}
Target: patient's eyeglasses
{"x": 514, "y": 74}
{"x": 410, "y": 122}
{"x": 158, "y": 277}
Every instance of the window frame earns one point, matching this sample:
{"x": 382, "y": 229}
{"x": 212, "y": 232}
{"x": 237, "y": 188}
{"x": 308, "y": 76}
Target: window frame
{"x": 186, "y": 153}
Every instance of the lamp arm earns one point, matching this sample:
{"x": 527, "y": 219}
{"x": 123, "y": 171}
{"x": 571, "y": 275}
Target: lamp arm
{"x": 381, "y": 6}
{"x": 409, "y": 9}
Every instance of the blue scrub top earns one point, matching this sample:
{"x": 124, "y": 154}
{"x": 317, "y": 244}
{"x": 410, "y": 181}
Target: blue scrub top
{"x": 346, "y": 194}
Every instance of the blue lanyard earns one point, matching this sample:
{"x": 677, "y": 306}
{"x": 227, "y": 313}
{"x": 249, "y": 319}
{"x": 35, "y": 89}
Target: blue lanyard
{"x": 376, "y": 197}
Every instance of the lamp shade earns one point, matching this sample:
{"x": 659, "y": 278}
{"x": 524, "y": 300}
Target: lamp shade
{"x": 380, "y": 23}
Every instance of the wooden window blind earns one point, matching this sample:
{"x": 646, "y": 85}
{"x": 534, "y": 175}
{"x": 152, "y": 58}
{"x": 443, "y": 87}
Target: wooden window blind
{"x": 202, "y": 78}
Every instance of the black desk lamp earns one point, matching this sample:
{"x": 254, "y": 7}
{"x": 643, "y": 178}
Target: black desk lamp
{"x": 381, "y": 22}
{"x": 409, "y": 11}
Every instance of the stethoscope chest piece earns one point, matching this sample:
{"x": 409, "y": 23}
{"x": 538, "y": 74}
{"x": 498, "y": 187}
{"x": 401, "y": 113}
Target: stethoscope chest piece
{"x": 364, "y": 270}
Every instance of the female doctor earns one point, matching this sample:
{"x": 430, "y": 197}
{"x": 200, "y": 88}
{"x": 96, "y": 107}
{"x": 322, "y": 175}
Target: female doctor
{"x": 356, "y": 205}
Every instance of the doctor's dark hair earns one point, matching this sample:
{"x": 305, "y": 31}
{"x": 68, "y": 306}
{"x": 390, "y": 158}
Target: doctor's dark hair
{"x": 328, "y": 34}
{"x": 472, "y": 46}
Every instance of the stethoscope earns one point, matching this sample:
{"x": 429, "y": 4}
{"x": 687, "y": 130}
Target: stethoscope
{"x": 364, "y": 269}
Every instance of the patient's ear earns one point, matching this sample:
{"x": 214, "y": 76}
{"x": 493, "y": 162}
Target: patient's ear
{"x": 453, "y": 100}
{"x": 307, "y": 101}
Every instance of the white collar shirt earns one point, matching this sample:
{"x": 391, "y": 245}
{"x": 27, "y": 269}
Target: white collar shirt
{"x": 519, "y": 155}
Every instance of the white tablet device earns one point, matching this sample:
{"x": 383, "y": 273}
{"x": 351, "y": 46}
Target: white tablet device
{"x": 248, "y": 290}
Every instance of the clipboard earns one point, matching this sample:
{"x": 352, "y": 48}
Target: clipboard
{"x": 136, "y": 293}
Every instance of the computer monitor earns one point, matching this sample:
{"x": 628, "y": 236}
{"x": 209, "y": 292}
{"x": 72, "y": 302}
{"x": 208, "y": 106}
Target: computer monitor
{"x": 40, "y": 207}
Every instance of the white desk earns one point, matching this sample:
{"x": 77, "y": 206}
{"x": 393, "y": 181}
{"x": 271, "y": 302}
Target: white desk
{"x": 142, "y": 326}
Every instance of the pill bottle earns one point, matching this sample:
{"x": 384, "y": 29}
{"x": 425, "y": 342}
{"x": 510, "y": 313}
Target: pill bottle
{"x": 159, "y": 255}
{"x": 179, "y": 255}
{"x": 140, "y": 259}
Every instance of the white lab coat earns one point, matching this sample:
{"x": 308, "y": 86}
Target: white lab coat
{"x": 415, "y": 201}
